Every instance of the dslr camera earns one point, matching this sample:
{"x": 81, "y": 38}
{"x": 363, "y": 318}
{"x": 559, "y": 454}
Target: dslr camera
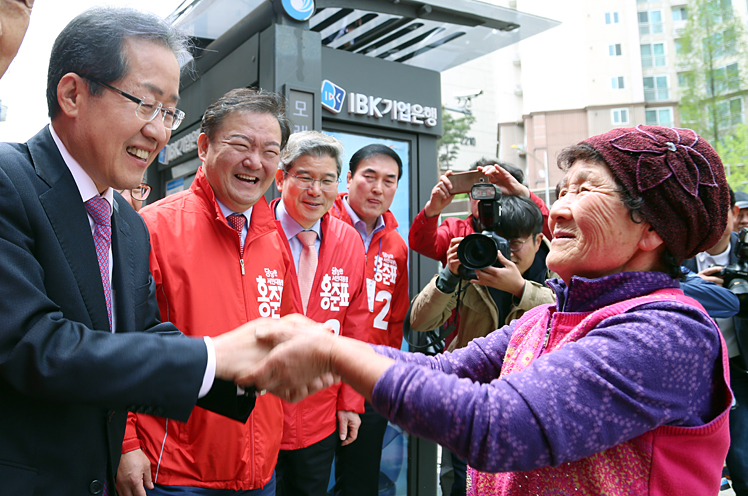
{"x": 480, "y": 250}
{"x": 736, "y": 275}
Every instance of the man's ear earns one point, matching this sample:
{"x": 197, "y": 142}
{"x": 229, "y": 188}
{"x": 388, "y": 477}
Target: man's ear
{"x": 348, "y": 178}
{"x": 203, "y": 142}
{"x": 71, "y": 93}
{"x": 279, "y": 176}
{"x": 538, "y": 241}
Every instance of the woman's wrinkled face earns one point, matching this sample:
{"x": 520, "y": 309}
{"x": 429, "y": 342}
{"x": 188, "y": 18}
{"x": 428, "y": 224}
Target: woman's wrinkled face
{"x": 593, "y": 233}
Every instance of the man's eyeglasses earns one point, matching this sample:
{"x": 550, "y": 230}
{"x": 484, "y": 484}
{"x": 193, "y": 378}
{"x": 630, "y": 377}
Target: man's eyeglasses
{"x": 140, "y": 193}
{"x": 307, "y": 182}
{"x": 148, "y": 109}
{"x": 517, "y": 244}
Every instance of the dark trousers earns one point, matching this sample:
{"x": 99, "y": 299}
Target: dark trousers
{"x": 306, "y": 471}
{"x": 357, "y": 465}
{"x": 159, "y": 490}
{"x": 737, "y": 456}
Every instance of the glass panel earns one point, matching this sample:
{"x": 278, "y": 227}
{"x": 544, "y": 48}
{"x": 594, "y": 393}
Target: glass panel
{"x": 651, "y": 117}
{"x": 393, "y": 474}
{"x": 665, "y": 117}
{"x": 646, "y": 55}
{"x": 655, "y": 19}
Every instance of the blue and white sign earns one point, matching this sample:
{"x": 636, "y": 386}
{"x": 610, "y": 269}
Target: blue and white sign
{"x": 300, "y": 10}
{"x": 333, "y": 96}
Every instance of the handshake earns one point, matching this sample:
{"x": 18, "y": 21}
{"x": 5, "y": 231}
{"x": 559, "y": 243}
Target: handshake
{"x": 290, "y": 357}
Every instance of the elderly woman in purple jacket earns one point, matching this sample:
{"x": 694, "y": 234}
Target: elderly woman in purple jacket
{"x": 619, "y": 388}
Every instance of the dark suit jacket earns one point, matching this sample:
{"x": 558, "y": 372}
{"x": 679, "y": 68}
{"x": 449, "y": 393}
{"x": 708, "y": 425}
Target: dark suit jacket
{"x": 693, "y": 265}
{"x": 67, "y": 382}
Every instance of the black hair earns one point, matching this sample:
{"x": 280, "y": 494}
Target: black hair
{"x": 516, "y": 172}
{"x": 520, "y": 217}
{"x": 372, "y": 150}
{"x": 93, "y": 44}
{"x": 246, "y": 100}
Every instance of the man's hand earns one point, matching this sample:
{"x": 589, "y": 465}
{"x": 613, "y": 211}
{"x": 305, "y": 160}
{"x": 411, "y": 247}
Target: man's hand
{"x": 506, "y": 278}
{"x": 708, "y": 275}
{"x": 238, "y": 352}
{"x": 300, "y": 361}
{"x": 453, "y": 262}
{"x": 440, "y": 196}
{"x": 134, "y": 474}
{"x": 348, "y": 424}
{"x": 505, "y": 181}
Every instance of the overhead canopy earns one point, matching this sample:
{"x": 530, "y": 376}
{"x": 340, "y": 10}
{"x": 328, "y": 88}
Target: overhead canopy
{"x": 434, "y": 34}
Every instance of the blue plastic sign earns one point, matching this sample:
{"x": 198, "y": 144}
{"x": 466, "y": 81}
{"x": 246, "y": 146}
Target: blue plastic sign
{"x": 333, "y": 96}
{"x": 300, "y": 10}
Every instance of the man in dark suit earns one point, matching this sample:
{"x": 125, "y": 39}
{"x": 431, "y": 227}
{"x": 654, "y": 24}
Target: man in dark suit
{"x": 80, "y": 337}
{"x": 707, "y": 264}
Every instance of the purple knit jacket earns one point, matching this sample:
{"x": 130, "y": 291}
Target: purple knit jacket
{"x": 654, "y": 365}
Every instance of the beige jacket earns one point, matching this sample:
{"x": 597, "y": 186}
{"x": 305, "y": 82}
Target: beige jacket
{"x": 478, "y": 313}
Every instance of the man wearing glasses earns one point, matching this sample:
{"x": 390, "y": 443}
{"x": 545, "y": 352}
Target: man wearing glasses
{"x": 218, "y": 261}
{"x": 328, "y": 287}
{"x": 375, "y": 171}
{"x": 81, "y": 341}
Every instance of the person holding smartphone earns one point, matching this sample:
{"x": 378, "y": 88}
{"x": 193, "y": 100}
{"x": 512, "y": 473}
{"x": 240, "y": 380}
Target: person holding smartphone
{"x": 432, "y": 240}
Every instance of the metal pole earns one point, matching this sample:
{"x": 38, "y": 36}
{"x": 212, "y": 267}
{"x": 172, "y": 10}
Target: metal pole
{"x": 547, "y": 192}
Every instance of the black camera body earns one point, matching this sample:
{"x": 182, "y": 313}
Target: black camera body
{"x": 480, "y": 250}
{"x": 736, "y": 275}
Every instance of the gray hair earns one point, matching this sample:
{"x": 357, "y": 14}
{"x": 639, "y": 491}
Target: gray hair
{"x": 311, "y": 143}
{"x": 93, "y": 43}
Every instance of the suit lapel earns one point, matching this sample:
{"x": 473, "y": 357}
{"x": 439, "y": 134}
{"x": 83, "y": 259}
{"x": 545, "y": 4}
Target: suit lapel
{"x": 67, "y": 216}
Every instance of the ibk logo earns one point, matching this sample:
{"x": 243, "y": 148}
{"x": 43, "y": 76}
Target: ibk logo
{"x": 333, "y": 96}
{"x": 300, "y": 10}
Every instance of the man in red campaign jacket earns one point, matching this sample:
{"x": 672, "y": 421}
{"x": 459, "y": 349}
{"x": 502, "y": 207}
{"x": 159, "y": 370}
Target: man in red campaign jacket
{"x": 328, "y": 287}
{"x": 213, "y": 272}
{"x": 375, "y": 171}
{"x": 431, "y": 239}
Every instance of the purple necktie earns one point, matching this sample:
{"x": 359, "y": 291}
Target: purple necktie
{"x": 98, "y": 209}
{"x": 237, "y": 222}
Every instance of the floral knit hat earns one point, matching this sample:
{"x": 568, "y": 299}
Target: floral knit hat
{"x": 679, "y": 177}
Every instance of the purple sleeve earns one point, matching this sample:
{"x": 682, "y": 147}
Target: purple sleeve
{"x": 480, "y": 361}
{"x": 632, "y": 373}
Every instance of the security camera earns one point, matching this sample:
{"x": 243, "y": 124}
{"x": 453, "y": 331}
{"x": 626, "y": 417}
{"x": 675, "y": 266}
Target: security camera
{"x": 468, "y": 94}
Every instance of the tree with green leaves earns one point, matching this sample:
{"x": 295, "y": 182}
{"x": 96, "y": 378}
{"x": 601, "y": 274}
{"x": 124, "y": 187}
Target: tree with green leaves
{"x": 733, "y": 150}
{"x": 454, "y": 130}
{"x": 709, "y": 54}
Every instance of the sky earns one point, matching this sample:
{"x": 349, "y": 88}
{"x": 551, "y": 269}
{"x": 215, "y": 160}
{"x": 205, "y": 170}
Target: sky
{"x": 23, "y": 87}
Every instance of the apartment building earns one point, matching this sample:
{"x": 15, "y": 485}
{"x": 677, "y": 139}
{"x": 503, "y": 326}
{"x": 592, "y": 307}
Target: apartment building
{"x": 610, "y": 63}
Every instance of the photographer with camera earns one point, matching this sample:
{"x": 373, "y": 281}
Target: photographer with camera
{"x": 431, "y": 239}
{"x": 722, "y": 264}
{"x": 495, "y": 295}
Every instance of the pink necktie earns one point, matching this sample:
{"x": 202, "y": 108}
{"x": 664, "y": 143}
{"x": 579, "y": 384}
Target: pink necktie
{"x": 98, "y": 209}
{"x": 307, "y": 265}
{"x": 237, "y": 222}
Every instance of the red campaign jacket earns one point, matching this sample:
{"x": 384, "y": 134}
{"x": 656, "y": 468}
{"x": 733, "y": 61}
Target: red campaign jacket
{"x": 430, "y": 239}
{"x": 195, "y": 262}
{"x": 340, "y": 258}
{"x": 387, "y": 265}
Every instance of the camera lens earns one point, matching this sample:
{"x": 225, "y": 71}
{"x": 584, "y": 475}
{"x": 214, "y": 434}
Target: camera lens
{"x": 477, "y": 251}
